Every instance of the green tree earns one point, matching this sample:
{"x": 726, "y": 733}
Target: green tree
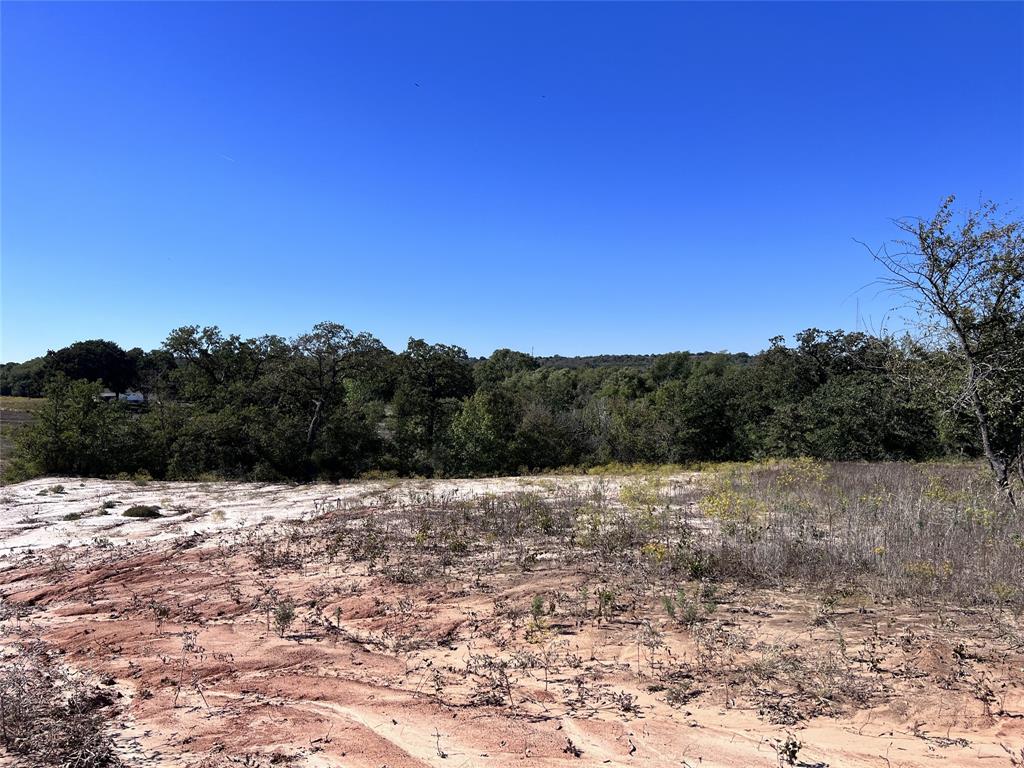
{"x": 501, "y": 365}
{"x": 431, "y": 381}
{"x": 963, "y": 275}
{"x": 701, "y": 415}
{"x": 76, "y": 433}
{"x": 483, "y": 431}
{"x": 862, "y": 415}
{"x": 93, "y": 360}
{"x": 23, "y": 379}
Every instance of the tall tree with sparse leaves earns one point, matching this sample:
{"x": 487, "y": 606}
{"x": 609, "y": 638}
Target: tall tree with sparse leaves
{"x": 963, "y": 274}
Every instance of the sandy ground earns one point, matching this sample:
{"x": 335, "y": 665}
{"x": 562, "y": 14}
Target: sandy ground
{"x": 32, "y": 514}
{"x": 388, "y": 663}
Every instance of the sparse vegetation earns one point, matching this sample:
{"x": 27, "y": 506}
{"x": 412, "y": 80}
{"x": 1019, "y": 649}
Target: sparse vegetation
{"x": 779, "y": 589}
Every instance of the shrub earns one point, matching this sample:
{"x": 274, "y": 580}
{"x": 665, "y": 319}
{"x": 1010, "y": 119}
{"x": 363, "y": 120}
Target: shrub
{"x": 537, "y": 608}
{"x": 142, "y": 510}
{"x": 142, "y": 478}
{"x": 689, "y": 611}
{"x": 284, "y": 615}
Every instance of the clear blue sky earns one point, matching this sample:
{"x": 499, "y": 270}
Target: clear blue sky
{"x": 571, "y": 179}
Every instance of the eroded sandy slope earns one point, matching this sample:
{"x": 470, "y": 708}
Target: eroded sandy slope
{"x": 406, "y": 650}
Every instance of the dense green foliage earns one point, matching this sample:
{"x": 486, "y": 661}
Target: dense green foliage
{"x": 22, "y": 379}
{"x": 333, "y": 404}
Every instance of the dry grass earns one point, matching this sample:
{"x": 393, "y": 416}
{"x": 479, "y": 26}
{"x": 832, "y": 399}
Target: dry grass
{"x": 932, "y": 531}
{"x": 51, "y": 717}
{"x": 896, "y": 530}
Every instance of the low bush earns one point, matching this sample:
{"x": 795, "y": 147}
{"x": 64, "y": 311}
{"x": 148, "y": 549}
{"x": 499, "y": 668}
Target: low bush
{"x": 142, "y": 510}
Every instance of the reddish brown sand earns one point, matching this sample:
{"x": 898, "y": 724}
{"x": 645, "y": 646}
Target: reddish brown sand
{"x": 451, "y": 670}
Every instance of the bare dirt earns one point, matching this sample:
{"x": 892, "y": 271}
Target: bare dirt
{"x": 494, "y": 656}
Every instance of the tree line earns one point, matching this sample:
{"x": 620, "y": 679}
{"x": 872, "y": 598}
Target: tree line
{"x": 334, "y": 404}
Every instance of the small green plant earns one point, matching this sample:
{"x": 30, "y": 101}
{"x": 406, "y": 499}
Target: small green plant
{"x": 284, "y": 615}
{"x": 72, "y": 516}
{"x": 679, "y": 694}
{"x": 669, "y": 604}
{"x": 572, "y": 749}
{"x": 707, "y": 596}
{"x": 142, "y": 510}
{"x": 689, "y": 611}
{"x": 537, "y": 608}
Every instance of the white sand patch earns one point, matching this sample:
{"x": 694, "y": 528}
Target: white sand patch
{"x": 33, "y": 516}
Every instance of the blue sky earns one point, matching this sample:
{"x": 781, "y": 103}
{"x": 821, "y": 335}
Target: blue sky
{"x": 566, "y": 178}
